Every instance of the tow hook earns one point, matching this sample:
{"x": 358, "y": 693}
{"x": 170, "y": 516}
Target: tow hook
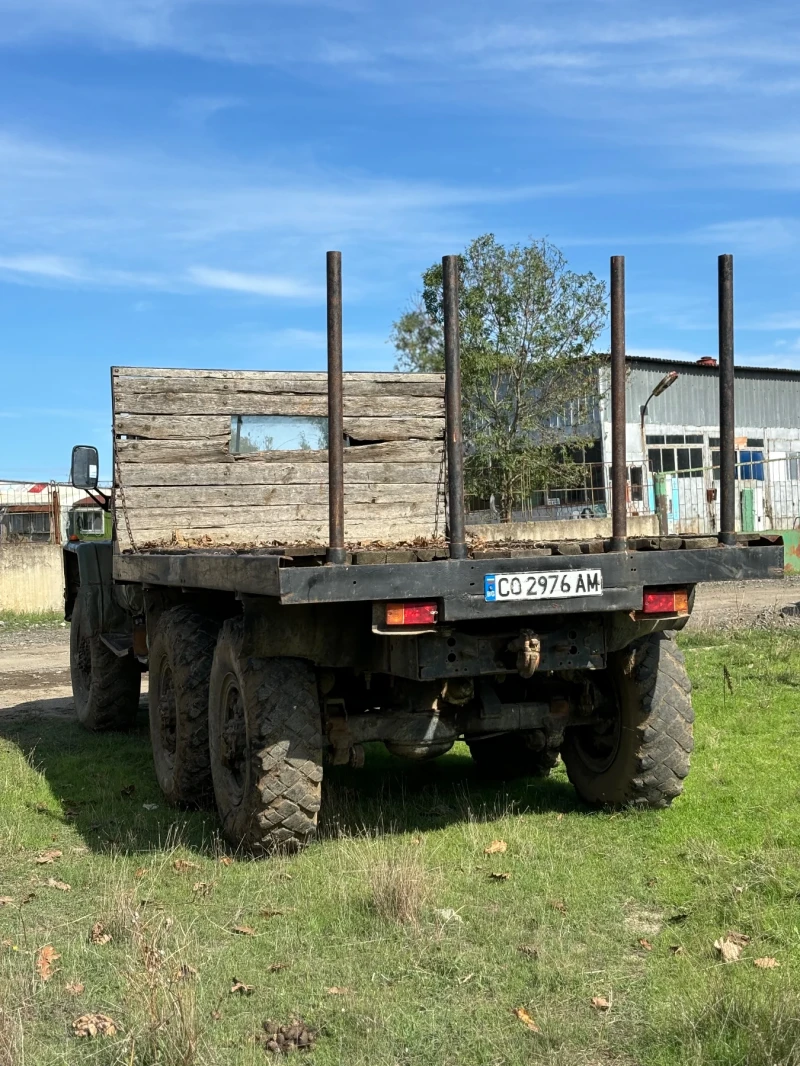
{"x": 529, "y": 652}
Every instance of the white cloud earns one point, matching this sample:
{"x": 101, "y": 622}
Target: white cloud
{"x": 254, "y": 284}
{"x": 42, "y": 266}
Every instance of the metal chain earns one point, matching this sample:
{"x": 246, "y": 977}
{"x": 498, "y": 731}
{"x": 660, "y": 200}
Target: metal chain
{"x": 118, "y": 478}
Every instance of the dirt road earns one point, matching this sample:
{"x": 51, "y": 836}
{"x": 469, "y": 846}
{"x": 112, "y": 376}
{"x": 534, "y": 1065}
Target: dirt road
{"x": 34, "y": 663}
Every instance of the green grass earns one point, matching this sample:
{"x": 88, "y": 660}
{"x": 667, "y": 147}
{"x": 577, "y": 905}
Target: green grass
{"x": 29, "y": 619}
{"x": 585, "y": 888}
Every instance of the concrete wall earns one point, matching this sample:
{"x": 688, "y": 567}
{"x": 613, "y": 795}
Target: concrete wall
{"x": 571, "y": 529}
{"x": 30, "y": 577}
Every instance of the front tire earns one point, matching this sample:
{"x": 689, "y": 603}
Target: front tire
{"x": 105, "y": 686}
{"x": 179, "y": 660}
{"x": 638, "y": 751}
{"x": 265, "y": 739}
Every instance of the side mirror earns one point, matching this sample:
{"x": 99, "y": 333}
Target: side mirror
{"x": 84, "y": 470}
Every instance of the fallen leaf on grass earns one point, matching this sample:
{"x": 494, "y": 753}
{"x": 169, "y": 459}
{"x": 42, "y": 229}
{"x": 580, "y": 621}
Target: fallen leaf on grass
{"x": 45, "y": 961}
{"x": 274, "y": 967}
{"x": 202, "y": 888}
{"x": 75, "y": 988}
{"x": 530, "y": 950}
{"x": 94, "y": 1025}
{"x": 600, "y": 1003}
{"x": 283, "y": 1039}
{"x": 336, "y": 990}
{"x": 6, "y": 901}
{"x": 497, "y": 847}
{"x": 185, "y": 972}
{"x": 526, "y": 1019}
{"x": 180, "y": 866}
{"x": 141, "y": 872}
{"x": 766, "y": 964}
{"x": 677, "y": 949}
{"x": 48, "y": 856}
{"x": 559, "y": 905}
{"x": 560, "y": 817}
{"x": 99, "y": 935}
{"x": 244, "y": 930}
{"x": 268, "y": 912}
{"x": 150, "y": 806}
{"x": 62, "y": 886}
{"x": 225, "y": 860}
{"x": 239, "y": 988}
{"x": 645, "y": 944}
{"x": 494, "y": 876}
{"x": 127, "y": 790}
{"x": 729, "y": 950}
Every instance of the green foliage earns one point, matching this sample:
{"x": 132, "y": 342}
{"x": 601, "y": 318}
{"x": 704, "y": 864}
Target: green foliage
{"x": 528, "y": 327}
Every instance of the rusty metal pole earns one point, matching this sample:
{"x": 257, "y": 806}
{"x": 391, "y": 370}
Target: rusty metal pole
{"x": 336, "y": 552}
{"x": 619, "y": 480}
{"x": 452, "y": 392}
{"x": 727, "y": 431}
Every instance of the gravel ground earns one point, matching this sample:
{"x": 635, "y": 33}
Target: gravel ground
{"x": 34, "y": 660}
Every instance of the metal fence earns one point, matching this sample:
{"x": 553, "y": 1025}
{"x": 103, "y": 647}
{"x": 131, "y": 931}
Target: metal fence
{"x": 48, "y": 512}
{"x": 768, "y": 497}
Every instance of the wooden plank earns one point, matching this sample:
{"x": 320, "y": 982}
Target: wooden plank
{"x": 403, "y": 498}
{"x": 204, "y": 427}
{"x": 174, "y": 427}
{"x": 267, "y": 384}
{"x": 178, "y": 402}
{"x": 386, "y": 429}
{"x": 350, "y": 377}
{"x": 162, "y": 474}
{"x": 150, "y": 452}
{"x": 217, "y": 450}
{"x": 259, "y": 535}
{"x": 263, "y": 516}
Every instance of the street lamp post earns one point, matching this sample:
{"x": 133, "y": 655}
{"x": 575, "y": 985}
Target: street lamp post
{"x": 660, "y": 497}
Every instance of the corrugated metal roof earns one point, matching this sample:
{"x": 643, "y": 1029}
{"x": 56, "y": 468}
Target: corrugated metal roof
{"x": 764, "y": 396}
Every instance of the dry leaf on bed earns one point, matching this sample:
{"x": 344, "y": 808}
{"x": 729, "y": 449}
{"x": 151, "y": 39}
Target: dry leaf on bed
{"x": 526, "y": 1019}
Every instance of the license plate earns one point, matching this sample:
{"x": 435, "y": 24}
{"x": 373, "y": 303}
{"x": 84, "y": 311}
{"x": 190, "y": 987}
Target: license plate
{"x": 543, "y": 585}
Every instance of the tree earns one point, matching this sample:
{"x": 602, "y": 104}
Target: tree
{"x": 528, "y": 369}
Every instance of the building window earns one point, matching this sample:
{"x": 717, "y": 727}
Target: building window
{"x": 794, "y": 467}
{"x": 27, "y": 523}
{"x": 89, "y": 521}
{"x": 749, "y": 465}
{"x": 636, "y": 483}
{"x": 685, "y": 462}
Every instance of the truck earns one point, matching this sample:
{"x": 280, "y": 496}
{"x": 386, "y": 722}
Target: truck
{"x": 291, "y": 565}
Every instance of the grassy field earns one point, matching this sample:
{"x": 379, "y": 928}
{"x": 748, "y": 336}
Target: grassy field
{"x": 390, "y": 938}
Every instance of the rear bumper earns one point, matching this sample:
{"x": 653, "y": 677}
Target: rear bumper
{"x": 457, "y": 584}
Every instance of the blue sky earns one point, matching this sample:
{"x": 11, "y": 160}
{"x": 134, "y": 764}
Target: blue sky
{"x": 172, "y": 172}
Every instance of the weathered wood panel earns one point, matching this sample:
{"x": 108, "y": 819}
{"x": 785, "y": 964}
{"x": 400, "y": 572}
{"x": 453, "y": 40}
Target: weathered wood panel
{"x": 205, "y": 427}
{"x": 290, "y": 380}
{"x": 178, "y": 402}
{"x": 286, "y": 473}
{"x": 201, "y": 451}
{"x": 135, "y": 389}
{"x": 179, "y": 483}
{"x": 413, "y": 496}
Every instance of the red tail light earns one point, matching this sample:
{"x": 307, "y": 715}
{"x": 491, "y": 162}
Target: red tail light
{"x": 411, "y": 614}
{"x": 656, "y": 602}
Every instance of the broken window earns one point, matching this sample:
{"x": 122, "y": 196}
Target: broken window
{"x": 278, "y": 433}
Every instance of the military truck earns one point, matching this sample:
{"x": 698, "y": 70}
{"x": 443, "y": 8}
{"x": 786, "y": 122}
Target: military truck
{"x": 290, "y": 564}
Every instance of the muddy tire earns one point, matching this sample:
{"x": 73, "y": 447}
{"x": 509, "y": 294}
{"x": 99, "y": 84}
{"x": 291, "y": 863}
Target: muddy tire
{"x": 105, "y": 686}
{"x": 511, "y": 755}
{"x": 639, "y": 752}
{"x": 179, "y": 661}
{"x": 265, "y": 739}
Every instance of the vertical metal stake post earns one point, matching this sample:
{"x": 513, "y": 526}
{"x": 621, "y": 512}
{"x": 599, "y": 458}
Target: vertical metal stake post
{"x": 619, "y": 479}
{"x": 455, "y": 442}
{"x": 336, "y": 552}
{"x": 727, "y": 443}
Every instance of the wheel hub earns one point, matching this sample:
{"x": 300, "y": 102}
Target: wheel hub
{"x": 233, "y": 746}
